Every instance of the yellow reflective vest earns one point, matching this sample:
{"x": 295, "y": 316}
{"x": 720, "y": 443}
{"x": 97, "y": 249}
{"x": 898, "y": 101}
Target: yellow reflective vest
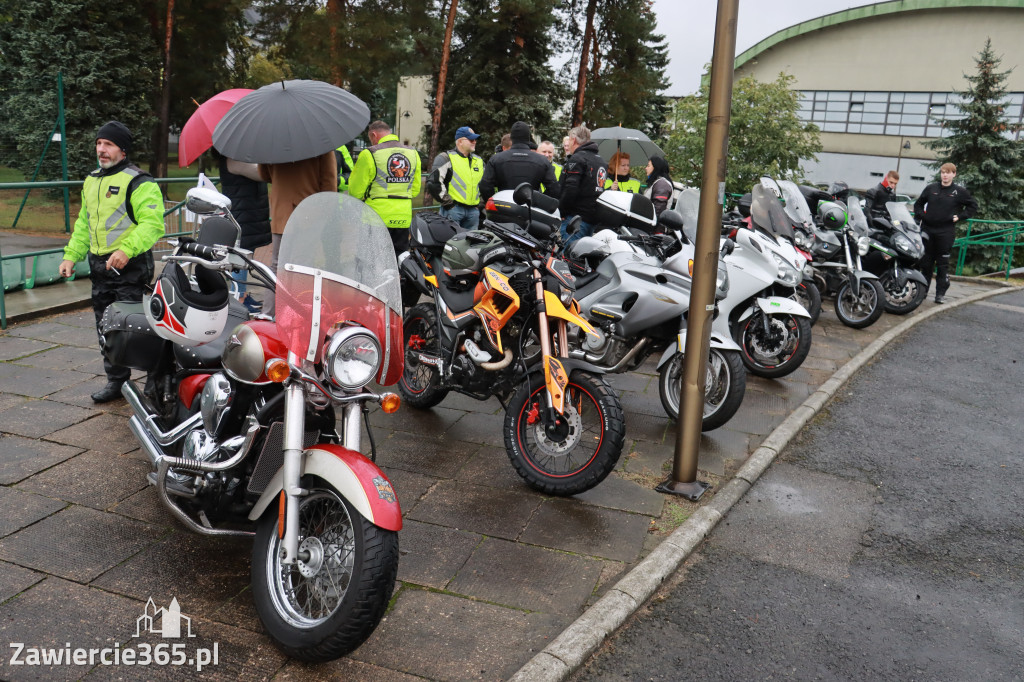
{"x": 632, "y": 185}
{"x": 108, "y": 223}
{"x": 464, "y": 184}
{"x": 346, "y": 164}
{"x": 387, "y": 177}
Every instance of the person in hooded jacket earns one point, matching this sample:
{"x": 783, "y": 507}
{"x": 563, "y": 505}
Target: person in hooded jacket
{"x": 659, "y": 184}
{"x": 583, "y": 178}
{"x": 878, "y": 196}
{"x": 516, "y": 165}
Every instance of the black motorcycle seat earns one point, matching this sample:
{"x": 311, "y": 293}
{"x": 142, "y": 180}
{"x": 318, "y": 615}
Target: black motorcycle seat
{"x": 457, "y": 300}
{"x": 208, "y": 355}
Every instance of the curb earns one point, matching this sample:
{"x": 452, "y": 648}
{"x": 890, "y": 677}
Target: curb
{"x": 578, "y": 642}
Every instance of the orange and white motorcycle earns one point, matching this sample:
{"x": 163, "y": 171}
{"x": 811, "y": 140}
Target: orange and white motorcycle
{"x": 498, "y": 325}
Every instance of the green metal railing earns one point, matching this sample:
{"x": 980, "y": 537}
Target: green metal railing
{"x": 29, "y": 269}
{"x": 1004, "y": 235}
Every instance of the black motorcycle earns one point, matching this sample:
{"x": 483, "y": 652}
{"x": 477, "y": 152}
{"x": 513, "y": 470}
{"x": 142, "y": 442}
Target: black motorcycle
{"x": 905, "y": 287}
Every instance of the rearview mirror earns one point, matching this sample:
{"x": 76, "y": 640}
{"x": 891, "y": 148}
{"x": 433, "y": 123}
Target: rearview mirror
{"x": 206, "y": 201}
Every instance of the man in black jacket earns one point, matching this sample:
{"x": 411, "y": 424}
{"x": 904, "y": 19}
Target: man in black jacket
{"x": 583, "y": 178}
{"x": 518, "y": 164}
{"x": 942, "y": 205}
{"x": 876, "y": 197}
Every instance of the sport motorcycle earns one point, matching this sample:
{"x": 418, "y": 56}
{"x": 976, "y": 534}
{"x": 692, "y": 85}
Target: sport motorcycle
{"x": 896, "y": 266}
{"x": 253, "y": 425}
{"x": 498, "y": 324}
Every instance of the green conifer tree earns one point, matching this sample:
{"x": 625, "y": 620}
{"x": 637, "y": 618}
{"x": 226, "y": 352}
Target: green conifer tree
{"x": 983, "y": 144}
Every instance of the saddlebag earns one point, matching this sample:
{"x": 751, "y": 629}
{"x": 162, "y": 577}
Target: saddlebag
{"x": 430, "y": 231}
{"x": 625, "y": 209}
{"x": 127, "y": 340}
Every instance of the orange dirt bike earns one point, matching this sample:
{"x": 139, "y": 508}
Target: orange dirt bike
{"x": 498, "y": 325}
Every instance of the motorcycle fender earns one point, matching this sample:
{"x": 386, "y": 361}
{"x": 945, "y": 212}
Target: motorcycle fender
{"x": 776, "y": 304}
{"x": 556, "y": 309}
{"x": 912, "y": 275}
{"x": 717, "y": 341}
{"x": 570, "y": 364}
{"x": 857, "y": 275}
{"x": 354, "y": 476}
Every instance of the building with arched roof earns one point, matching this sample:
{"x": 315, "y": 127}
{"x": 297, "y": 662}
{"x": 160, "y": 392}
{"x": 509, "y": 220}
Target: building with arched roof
{"x": 874, "y": 78}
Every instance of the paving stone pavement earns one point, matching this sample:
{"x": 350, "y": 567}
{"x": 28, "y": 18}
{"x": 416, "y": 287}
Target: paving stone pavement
{"x": 490, "y": 571}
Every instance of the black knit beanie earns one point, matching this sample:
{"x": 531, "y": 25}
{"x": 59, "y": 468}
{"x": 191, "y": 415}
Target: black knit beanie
{"x": 118, "y": 133}
{"x": 520, "y": 132}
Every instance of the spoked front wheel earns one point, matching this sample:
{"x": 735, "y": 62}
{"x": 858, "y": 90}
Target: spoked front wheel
{"x": 724, "y": 386}
{"x": 420, "y": 382}
{"x": 859, "y": 309}
{"x": 328, "y": 602}
{"x": 580, "y": 451}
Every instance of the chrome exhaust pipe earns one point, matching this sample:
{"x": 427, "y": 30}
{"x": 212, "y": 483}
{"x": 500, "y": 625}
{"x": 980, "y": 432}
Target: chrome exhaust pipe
{"x": 131, "y": 394}
{"x": 149, "y": 445}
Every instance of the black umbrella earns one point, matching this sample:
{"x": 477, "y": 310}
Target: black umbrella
{"x": 290, "y": 121}
{"x": 628, "y": 141}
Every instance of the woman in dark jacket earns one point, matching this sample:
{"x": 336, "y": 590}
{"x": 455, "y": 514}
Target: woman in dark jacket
{"x": 659, "y": 184}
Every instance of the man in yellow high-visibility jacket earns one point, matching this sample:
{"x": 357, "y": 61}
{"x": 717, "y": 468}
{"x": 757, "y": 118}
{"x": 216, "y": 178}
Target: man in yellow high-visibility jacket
{"x": 455, "y": 181}
{"x": 387, "y": 176}
{"x": 122, "y": 217}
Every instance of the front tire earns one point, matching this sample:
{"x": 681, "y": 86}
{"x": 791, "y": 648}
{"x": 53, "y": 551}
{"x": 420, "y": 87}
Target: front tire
{"x": 778, "y": 350}
{"x": 807, "y": 294}
{"x": 324, "y": 607}
{"x": 724, "y": 387}
{"x": 589, "y": 450}
{"x": 901, "y": 301}
{"x": 862, "y": 309}
{"x": 419, "y": 384}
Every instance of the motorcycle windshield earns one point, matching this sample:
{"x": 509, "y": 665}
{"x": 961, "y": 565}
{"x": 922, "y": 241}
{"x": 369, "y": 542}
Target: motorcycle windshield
{"x": 337, "y": 267}
{"x": 796, "y": 204}
{"x": 858, "y": 220}
{"x": 688, "y": 206}
{"x": 767, "y": 213}
{"x": 901, "y": 218}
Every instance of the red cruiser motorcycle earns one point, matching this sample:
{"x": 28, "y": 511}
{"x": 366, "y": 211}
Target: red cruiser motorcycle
{"x": 261, "y": 425}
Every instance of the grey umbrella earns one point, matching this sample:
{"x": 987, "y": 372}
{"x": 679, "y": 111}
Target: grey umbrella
{"x": 290, "y": 121}
{"x": 630, "y": 141}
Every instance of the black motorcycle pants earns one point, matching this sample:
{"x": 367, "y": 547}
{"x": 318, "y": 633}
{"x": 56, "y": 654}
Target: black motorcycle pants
{"x": 936, "y": 255}
{"x": 108, "y": 287}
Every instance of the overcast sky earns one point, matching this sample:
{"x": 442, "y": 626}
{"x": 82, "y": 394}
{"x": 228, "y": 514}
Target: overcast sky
{"x": 689, "y": 29}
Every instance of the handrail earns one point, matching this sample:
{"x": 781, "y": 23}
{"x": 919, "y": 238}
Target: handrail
{"x": 1007, "y": 238}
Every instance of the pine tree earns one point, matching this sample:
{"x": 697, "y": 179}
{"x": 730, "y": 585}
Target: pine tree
{"x": 989, "y": 161}
{"x": 500, "y": 71}
{"x": 110, "y": 68}
{"x": 627, "y": 64}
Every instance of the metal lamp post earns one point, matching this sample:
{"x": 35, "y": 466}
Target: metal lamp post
{"x": 904, "y": 144}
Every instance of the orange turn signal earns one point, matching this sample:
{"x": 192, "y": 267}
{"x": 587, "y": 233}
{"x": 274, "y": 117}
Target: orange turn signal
{"x": 277, "y": 370}
{"x": 390, "y": 402}
{"x": 689, "y": 266}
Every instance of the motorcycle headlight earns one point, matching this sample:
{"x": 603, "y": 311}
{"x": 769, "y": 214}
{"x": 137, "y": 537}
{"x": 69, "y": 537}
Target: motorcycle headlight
{"x": 352, "y": 358}
{"x": 565, "y": 296}
{"x": 722, "y": 281}
{"x": 788, "y": 275}
{"x": 802, "y": 240}
{"x": 902, "y": 243}
{"x": 863, "y": 244}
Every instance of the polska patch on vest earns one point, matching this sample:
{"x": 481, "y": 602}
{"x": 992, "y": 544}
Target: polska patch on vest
{"x": 399, "y": 168}
{"x": 113, "y": 191}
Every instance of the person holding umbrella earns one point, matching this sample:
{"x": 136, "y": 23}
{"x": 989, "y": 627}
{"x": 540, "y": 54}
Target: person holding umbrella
{"x": 620, "y": 180}
{"x": 387, "y": 177}
{"x": 120, "y": 221}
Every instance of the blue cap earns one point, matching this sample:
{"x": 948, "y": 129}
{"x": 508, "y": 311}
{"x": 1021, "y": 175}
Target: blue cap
{"x": 466, "y": 132}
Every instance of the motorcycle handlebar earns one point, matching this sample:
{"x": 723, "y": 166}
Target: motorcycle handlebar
{"x": 197, "y": 249}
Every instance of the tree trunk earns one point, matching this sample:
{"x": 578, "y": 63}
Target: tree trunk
{"x": 335, "y": 13}
{"x": 160, "y": 166}
{"x": 442, "y": 76}
{"x": 581, "y": 83}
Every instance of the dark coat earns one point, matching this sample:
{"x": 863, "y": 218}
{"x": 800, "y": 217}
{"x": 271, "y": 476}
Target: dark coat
{"x": 942, "y": 204}
{"x": 516, "y": 165}
{"x": 876, "y": 198}
{"x": 250, "y": 205}
{"x": 582, "y": 181}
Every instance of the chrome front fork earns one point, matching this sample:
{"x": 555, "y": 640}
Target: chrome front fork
{"x": 294, "y": 428}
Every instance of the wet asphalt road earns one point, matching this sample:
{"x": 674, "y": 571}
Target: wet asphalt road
{"x": 886, "y": 543}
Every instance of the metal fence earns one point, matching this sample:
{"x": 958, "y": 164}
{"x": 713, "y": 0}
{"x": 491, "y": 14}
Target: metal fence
{"x": 991, "y": 237}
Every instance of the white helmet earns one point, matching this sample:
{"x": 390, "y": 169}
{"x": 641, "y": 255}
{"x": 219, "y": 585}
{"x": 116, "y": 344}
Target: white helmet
{"x": 181, "y": 314}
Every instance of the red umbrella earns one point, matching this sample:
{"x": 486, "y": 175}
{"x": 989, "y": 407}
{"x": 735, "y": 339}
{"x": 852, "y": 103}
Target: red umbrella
{"x": 197, "y": 135}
